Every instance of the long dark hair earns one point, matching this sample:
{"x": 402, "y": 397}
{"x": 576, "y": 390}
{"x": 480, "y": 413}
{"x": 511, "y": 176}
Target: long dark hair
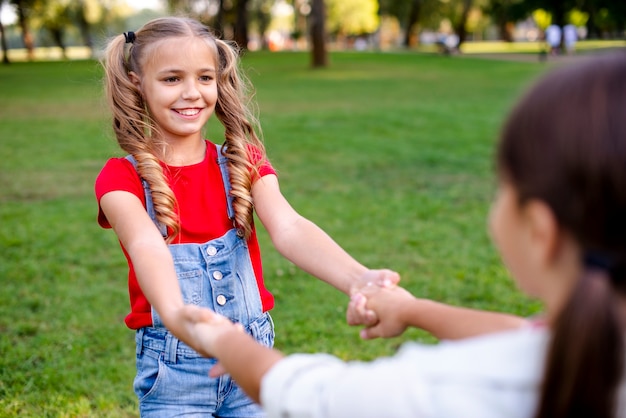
{"x": 565, "y": 144}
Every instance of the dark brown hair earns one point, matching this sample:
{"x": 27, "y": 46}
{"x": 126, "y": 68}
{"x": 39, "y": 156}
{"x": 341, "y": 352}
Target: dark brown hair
{"x": 565, "y": 144}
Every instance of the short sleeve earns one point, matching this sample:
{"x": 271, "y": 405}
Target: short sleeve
{"x": 256, "y": 157}
{"x": 118, "y": 174}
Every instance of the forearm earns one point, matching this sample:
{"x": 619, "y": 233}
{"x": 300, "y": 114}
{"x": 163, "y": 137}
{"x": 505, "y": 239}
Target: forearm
{"x": 311, "y": 249}
{"x": 448, "y": 322}
{"x": 157, "y": 278}
{"x": 245, "y": 360}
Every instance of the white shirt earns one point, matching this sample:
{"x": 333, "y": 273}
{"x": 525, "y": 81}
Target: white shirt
{"x": 495, "y": 375}
{"x": 553, "y": 35}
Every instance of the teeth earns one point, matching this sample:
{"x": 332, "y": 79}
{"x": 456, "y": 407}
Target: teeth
{"x": 189, "y": 112}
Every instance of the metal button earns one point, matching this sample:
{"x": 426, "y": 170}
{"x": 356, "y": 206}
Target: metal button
{"x": 217, "y": 275}
{"x": 221, "y": 300}
{"x": 211, "y": 251}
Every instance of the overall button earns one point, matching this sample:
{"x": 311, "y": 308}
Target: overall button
{"x": 211, "y": 250}
{"x": 221, "y": 300}
{"x": 217, "y": 275}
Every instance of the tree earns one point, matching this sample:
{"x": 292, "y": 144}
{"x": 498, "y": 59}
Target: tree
{"x": 460, "y": 27}
{"x": 352, "y": 17}
{"x": 319, "y": 55}
{"x": 412, "y": 20}
{"x": 23, "y": 10}
{"x": 505, "y": 12}
{"x": 54, "y": 17}
{"x": 5, "y": 56}
{"x": 241, "y": 24}
{"x": 3, "y": 40}
{"x": 86, "y": 13}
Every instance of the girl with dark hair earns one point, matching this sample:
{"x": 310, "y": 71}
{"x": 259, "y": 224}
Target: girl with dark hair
{"x": 182, "y": 208}
{"x": 559, "y": 222}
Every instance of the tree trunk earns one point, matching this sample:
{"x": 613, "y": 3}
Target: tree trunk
{"x": 5, "y": 50}
{"x": 241, "y": 24}
{"x": 219, "y": 20}
{"x": 461, "y": 31}
{"x": 27, "y": 37}
{"x": 319, "y": 55}
{"x": 57, "y": 35}
{"x": 414, "y": 16}
{"x": 84, "y": 27}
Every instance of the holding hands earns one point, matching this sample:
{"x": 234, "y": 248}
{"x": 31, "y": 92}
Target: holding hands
{"x": 382, "y": 303}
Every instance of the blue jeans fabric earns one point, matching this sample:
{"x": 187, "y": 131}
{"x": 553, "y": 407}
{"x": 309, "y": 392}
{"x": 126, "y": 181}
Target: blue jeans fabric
{"x": 172, "y": 379}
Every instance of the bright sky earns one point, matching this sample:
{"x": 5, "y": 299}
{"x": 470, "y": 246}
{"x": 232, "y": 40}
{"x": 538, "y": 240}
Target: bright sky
{"x": 7, "y": 14}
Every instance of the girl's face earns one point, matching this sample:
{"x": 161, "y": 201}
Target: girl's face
{"x": 510, "y": 232}
{"x": 178, "y": 83}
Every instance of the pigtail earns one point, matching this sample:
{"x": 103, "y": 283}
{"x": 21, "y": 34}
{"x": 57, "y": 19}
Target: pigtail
{"x": 586, "y": 355}
{"x": 239, "y": 124}
{"x": 135, "y": 131}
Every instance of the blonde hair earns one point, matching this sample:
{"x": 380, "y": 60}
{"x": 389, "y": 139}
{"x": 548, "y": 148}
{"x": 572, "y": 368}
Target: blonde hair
{"x": 138, "y": 134}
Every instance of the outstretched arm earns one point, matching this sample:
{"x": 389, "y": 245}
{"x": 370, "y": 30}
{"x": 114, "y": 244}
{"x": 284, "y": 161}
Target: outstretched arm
{"x": 151, "y": 259}
{"x": 308, "y": 246}
{"x": 397, "y": 309}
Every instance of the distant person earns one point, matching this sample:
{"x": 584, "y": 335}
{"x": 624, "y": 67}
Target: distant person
{"x": 182, "y": 208}
{"x": 570, "y": 37}
{"x": 559, "y": 223}
{"x": 553, "y": 38}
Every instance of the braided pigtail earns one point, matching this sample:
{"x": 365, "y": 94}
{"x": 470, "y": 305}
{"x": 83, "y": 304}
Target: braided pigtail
{"x": 240, "y": 125}
{"x": 135, "y": 131}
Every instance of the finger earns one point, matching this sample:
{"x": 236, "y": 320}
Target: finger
{"x": 370, "y": 317}
{"x": 357, "y": 312}
{"x": 388, "y": 278}
{"x": 368, "y": 333}
{"x": 363, "y": 315}
{"x": 217, "y": 370}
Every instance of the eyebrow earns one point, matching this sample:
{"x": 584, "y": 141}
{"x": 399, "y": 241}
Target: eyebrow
{"x": 178, "y": 71}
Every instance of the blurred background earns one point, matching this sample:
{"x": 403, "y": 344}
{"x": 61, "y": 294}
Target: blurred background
{"x": 52, "y": 29}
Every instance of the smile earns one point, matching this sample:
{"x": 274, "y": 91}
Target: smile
{"x": 188, "y": 112}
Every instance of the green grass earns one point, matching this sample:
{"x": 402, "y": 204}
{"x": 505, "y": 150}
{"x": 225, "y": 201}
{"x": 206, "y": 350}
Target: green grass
{"x": 389, "y": 153}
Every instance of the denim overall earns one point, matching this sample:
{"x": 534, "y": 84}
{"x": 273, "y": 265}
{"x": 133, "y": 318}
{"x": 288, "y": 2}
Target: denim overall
{"x": 172, "y": 379}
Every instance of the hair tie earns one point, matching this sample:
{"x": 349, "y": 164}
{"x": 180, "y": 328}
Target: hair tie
{"x": 130, "y": 37}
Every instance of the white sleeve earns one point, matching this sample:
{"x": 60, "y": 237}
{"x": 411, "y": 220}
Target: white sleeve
{"x": 319, "y": 385}
{"x": 491, "y": 376}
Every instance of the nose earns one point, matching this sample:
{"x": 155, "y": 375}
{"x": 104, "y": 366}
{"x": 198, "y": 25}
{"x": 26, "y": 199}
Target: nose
{"x": 191, "y": 92}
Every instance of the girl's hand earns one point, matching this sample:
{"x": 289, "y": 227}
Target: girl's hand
{"x": 357, "y": 313}
{"x": 205, "y": 328}
{"x": 388, "y": 303}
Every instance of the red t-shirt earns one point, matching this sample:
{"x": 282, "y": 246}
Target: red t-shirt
{"x": 202, "y": 206}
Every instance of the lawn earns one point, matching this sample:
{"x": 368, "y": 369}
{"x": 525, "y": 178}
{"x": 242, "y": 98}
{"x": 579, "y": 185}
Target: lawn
{"x": 390, "y": 153}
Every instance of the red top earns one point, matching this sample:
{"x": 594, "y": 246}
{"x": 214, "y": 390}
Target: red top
{"x": 201, "y": 199}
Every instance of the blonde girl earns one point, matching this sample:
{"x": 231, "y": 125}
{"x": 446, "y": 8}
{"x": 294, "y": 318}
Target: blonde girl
{"x": 182, "y": 208}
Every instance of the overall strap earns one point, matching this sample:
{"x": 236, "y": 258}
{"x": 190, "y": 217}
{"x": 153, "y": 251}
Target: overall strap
{"x": 223, "y": 163}
{"x": 148, "y": 196}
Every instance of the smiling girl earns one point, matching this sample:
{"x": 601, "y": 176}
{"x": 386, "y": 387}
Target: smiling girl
{"x": 182, "y": 208}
